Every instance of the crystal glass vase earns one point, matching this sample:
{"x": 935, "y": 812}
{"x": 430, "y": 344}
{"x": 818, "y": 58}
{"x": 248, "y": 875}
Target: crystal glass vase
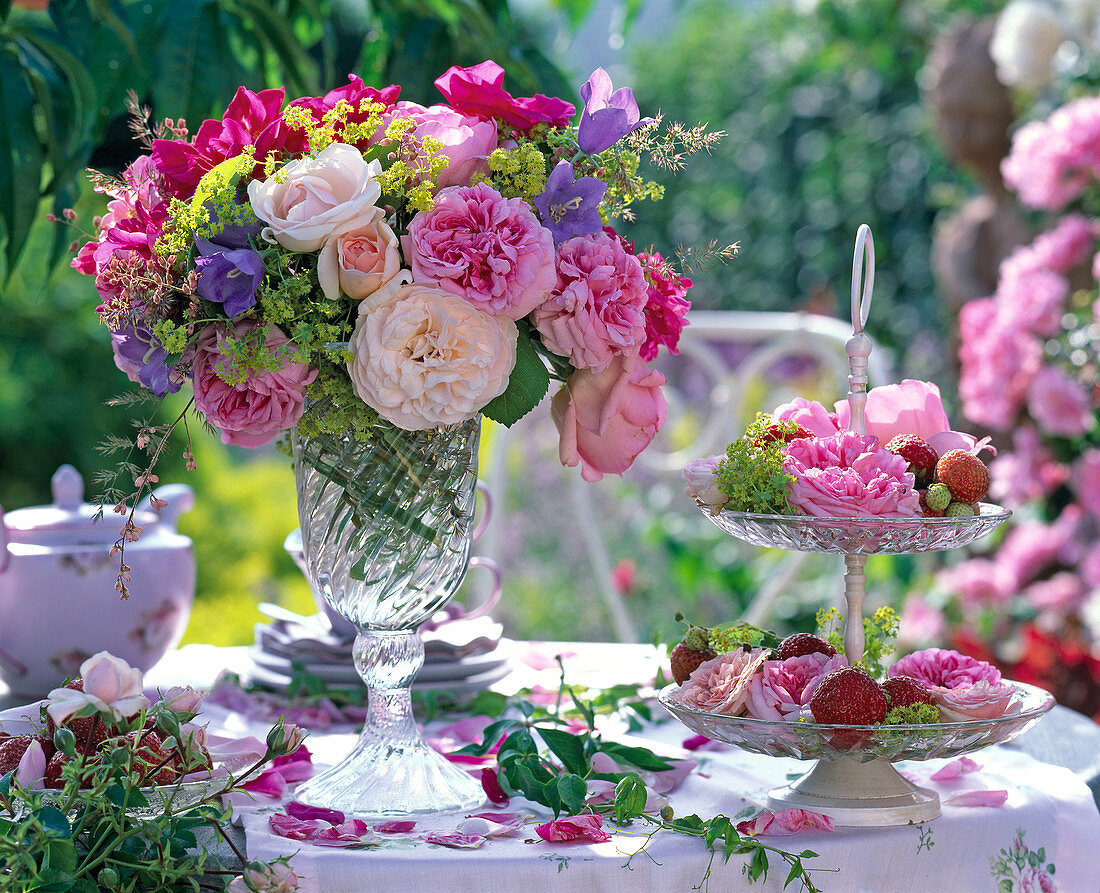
{"x": 386, "y": 527}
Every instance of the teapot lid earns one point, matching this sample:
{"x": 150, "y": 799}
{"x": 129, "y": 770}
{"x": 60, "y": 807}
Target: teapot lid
{"x": 70, "y": 520}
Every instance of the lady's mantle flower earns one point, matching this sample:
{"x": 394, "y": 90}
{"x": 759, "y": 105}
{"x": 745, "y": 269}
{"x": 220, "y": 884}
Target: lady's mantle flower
{"x": 607, "y": 117}
{"x": 569, "y": 208}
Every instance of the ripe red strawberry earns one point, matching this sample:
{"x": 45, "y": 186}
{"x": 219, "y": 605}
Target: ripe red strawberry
{"x": 684, "y": 660}
{"x": 53, "y": 777}
{"x": 905, "y": 691}
{"x": 848, "y": 696}
{"x": 920, "y": 456}
{"x": 803, "y": 643}
{"x": 965, "y": 475}
{"x": 774, "y": 432}
{"x": 151, "y": 763}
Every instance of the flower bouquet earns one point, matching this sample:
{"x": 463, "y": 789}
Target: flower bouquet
{"x": 373, "y": 276}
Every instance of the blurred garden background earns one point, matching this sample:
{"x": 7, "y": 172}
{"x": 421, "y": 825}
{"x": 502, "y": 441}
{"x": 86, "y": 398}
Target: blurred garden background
{"x": 838, "y": 112}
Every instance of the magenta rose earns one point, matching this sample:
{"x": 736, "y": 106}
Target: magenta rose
{"x": 478, "y": 90}
{"x": 945, "y": 668}
{"x": 467, "y": 141}
{"x": 606, "y": 419}
{"x": 253, "y": 412}
{"x": 848, "y": 475}
{"x": 596, "y": 310}
{"x": 490, "y": 250}
{"x": 666, "y": 307}
{"x": 783, "y": 687}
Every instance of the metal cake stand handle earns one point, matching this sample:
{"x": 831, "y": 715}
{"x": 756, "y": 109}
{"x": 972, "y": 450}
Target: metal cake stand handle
{"x": 858, "y": 348}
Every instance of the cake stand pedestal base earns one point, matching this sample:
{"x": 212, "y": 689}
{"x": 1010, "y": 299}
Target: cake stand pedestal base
{"x": 857, "y": 794}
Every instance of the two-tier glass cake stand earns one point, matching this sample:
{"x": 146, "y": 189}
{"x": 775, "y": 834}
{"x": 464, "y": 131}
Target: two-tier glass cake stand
{"x": 853, "y": 779}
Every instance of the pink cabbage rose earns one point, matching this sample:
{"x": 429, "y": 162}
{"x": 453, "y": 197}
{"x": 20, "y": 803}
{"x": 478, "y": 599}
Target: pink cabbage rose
{"x": 783, "y": 687}
{"x": 490, "y": 250}
{"x": 849, "y": 476}
{"x": 911, "y": 407}
{"x": 424, "y": 358}
{"x": 1059, "y": 404}
{"x": 111, "y": 686}
{"x": 467, "y": 141}
{"x": 721, "y": 685}
{"x": 310, "y": 200}
{"x": 253, "y": 412}
{"x": 606, "y": 419}
{"x": 574, "y": 827}
{"x": 945, "y": 668}
{"x": 360, "y": 261}
{"x": 810, "y": 414}
{"x": 703, "y": 482}
{"x": 478, "y": 90}
{"x": 784, "y": 823}
{"x": 981, "y": 700}
{"x": 1086, "y": 481}
{"x": 596, "y": 310}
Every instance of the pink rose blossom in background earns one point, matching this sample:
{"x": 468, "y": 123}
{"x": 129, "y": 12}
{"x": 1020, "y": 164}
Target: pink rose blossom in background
{"x": 849, "y": 476}
{"x": 1059, "y": 404}
{"x": 1086, "y": 481}
{"x": 1033, "y": 547}
{"x": 605, "y": 419}
{"x": 702, "y": 481}
{"x": 254, "y": 412}
{"x": 666, "y": 307}
{"x": 596, "y": 310}
{"x": 467, "y": 141}
{"x": 721, "y": 685}
{"x": 920, "y": 622}
{"x": 980, "y": 582}
{"x": 478, "y": 245}
{"x": 810, "y": 414}
{"x": 945, "y": 668}
{"x": 981, "y": 700}
{"x": 783, "y": 687}
{"x": 1069, "y": 243}
{"x": 784, "y": 823}
{"x": 1090, "y": 566}
{"x": 1029, "y": 471}
{"x": 424, "y": 357}
{"x": 1063, "y": 592}
{"x": 311, "y": 199}
{"x": 359, "y": 262}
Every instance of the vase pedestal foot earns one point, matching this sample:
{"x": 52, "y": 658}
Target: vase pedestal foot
{"x": 857, "y": 794}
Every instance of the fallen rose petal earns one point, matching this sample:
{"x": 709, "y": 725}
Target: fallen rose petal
{"x": 668, "y": 780}
{"x": 395, "y": 826}
{"x": 270, "y": 783}
{"x": 480, "y": 826}
{"x": 349, "y": 833}
{"x": 696, "y": 741}
{"x": 305, "y": 811}
{"x": 295, "y": 829}
{"x": 784, "y": 823}
{"x": 454, "y": 839}
{"x": 491, "y": 785}
{"x": 955, "y": 768}
{"x": 979, "y": 798}
{"x": 576, "y": 827}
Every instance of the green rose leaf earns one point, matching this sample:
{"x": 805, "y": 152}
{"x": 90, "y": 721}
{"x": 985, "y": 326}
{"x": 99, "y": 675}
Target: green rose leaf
{"x": 630, "y": 797}
{"x": 568, "y": 748}
{"x": 527, "y": 385}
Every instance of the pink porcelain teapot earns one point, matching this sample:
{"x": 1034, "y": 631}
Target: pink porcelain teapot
{"x": 58, "y": 604}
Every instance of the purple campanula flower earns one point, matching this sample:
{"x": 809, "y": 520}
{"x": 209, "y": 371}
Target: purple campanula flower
{"x": 570, "y": 208}
{"x": 607, "y": 117}
{"x": 144, "y": 360}
{"x": 228, "y": 276}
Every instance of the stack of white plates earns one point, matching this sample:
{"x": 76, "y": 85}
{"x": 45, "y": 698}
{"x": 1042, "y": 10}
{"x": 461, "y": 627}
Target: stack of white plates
{"x": 460, "y": 655}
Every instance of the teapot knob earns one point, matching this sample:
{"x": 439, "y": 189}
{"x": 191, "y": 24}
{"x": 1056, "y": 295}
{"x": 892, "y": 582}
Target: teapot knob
{"x": 68, "y": 488}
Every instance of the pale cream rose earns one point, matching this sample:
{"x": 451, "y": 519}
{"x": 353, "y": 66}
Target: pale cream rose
{"x": 426, "y": 358}
{"x": 1024, "y": 44}
{"x": 359, "y": 262}
{"x": 110, "y": 685}
{"x": 311, "y": 199}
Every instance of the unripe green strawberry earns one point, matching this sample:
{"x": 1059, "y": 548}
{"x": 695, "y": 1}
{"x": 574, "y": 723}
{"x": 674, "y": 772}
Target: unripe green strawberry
{"x": 938, "y": 497}
{"x": 960, "y": 510}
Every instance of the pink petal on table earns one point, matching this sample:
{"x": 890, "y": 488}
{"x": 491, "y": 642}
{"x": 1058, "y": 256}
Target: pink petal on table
{"x": 395, "y": 826}
{"x": 955, "y": 768}
{"x": 350, "y": 833}
{"x": 668, "y": 780}
{"x": 697, "y": 741}
{"x": 575, "y": 827}
{"x": 305, "y": 811}
{"x": 295, "y": 829}
{"x": 454, "y": 839}
{"x": 479, "y": 826}
{"x": 784, "y": 823}
{"x": 269, "y": 783}
{"x": 466, "y": 731}
{"x": 979, "y": 798}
